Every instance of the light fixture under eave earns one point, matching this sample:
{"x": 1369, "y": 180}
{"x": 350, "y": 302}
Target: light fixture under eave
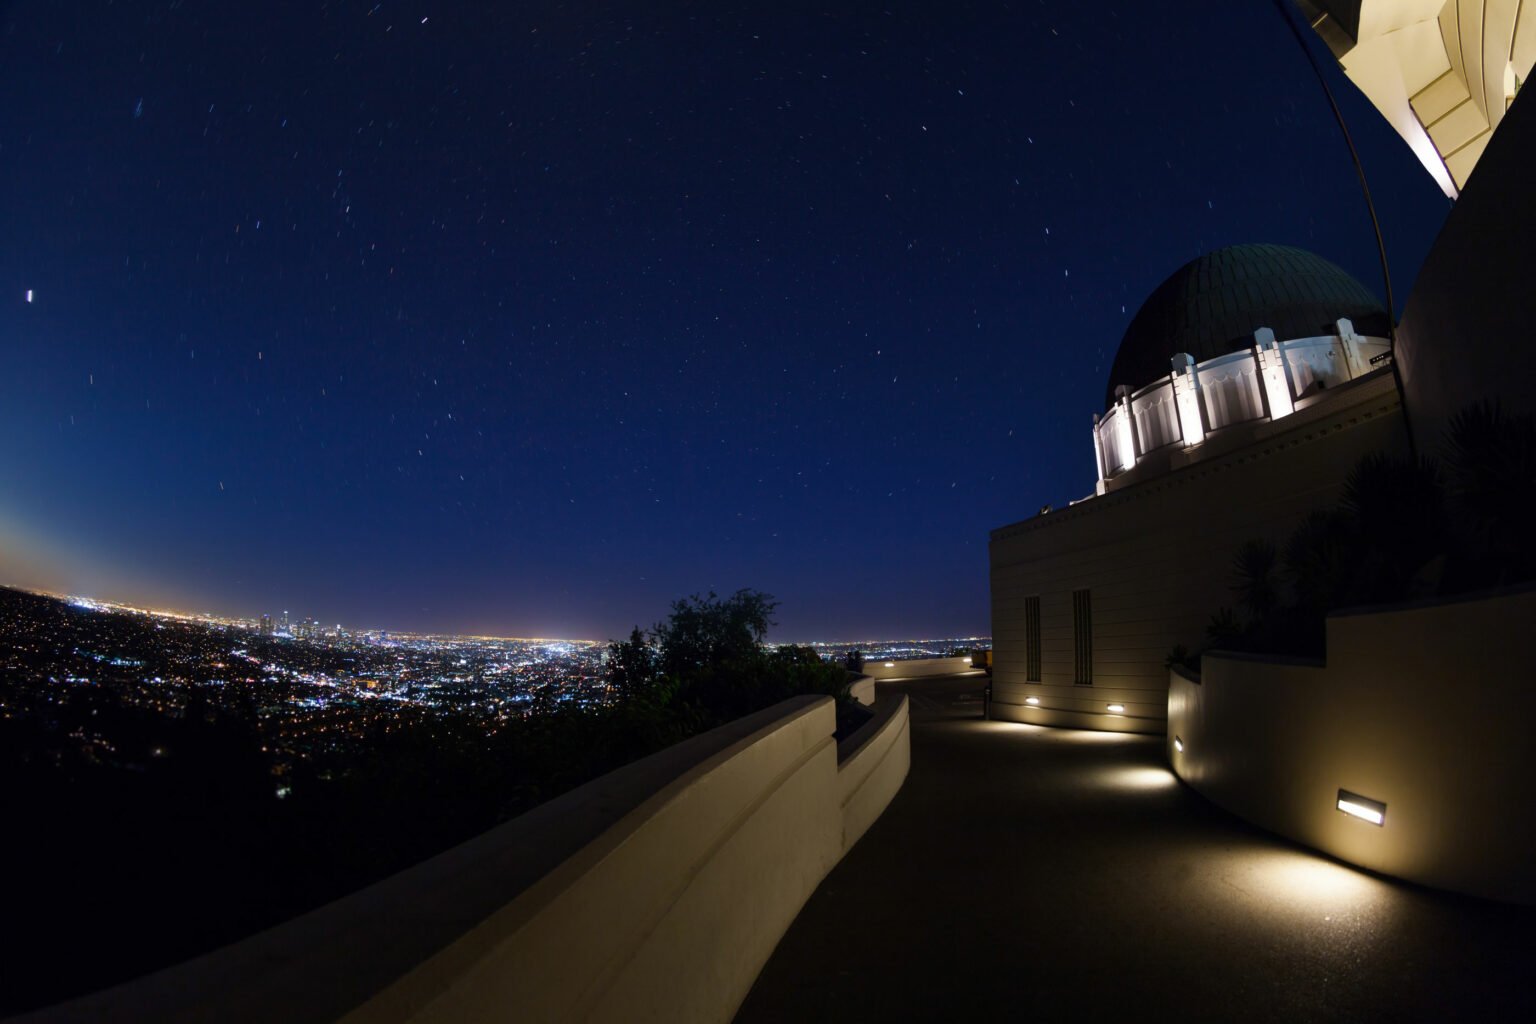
{"x": 1117, "y": 709}
{"x": 1031, "y": 700}
{"x": 1178, "y": 744}
{"x": 1362, "y": 807}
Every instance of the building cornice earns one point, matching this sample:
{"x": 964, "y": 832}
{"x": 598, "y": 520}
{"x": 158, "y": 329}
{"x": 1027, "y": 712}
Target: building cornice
{"x": 1369, "y": 400}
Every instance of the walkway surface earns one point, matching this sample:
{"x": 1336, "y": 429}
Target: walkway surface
{"x": 1032, "y": 873}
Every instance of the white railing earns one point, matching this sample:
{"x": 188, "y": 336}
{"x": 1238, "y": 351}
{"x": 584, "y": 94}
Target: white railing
{"x": 1157, "y": 419}
{"x": 1115, "y": 442}
{"x": 1313, "y": 364}
{"x": 1229, "y": 388}
{"x": 1199, "y": 398}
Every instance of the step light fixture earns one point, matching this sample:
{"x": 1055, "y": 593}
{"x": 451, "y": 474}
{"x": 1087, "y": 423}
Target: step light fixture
{"x": 1362, "y": 807}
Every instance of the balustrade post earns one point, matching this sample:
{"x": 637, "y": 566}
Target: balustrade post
{"x": 1354, "y": 364}
{"x": 1186, "y": 399}
{"x": 1129, "y": 434}
{"x": 1098, "y": 455}
{"x": 1272, "y": 372}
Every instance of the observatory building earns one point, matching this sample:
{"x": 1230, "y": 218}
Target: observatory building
{"x": 1246, "y": 387}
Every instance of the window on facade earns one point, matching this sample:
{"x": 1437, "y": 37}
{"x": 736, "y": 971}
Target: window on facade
{"x": 1032, "y": 638}
{"x": 1082, "y": 637}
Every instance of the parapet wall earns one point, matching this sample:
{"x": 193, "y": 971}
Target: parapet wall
{"x": 916, "y": 668}
{"x": 862, "y": 689}
{"x": 656, "y": 892}
{"x": 871, "y": 766}
{"x": 1425, "y": 709}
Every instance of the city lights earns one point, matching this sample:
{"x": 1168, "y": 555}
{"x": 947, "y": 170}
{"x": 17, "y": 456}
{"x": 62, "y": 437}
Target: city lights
{"x": 322, "y": 689}
{"x": 314, "y": 690}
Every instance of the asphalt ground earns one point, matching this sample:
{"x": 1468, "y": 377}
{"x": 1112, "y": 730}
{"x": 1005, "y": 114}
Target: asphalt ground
{"x": 1032, "y": 873}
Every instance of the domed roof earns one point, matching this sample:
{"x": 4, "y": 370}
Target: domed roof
{"x": 1212, "y": 305}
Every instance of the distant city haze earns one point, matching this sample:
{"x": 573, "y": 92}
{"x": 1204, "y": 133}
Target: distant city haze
{"x": 527, "y": 320}
{"x": 286, "y": 625}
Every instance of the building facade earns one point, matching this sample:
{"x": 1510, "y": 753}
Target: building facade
{"x": 1443, "y": 72}
{"x": 1268, "y": 394}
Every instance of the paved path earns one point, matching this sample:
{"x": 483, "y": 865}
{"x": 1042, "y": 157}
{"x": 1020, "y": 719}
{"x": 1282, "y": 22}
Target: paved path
{"x": 1051, "y": 874}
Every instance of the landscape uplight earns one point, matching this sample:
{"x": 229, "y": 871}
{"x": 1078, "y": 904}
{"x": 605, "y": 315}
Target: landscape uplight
{"x": 1116, "y": 708}
{"x": 1362, "y": 807}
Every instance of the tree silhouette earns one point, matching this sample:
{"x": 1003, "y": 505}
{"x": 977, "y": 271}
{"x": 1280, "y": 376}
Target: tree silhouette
{"x": 631, "y": 666}
{"x": 707, "y": 632}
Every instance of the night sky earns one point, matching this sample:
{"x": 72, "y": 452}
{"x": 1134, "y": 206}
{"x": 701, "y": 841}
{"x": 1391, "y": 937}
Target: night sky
{"x": 527, "y": 318}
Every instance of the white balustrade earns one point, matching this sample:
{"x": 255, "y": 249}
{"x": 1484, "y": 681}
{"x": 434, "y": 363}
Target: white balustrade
{"x": 1157, "y": 418}
{"x": 1115, "y": 441}
{"x": 1230, "y": 386}
{"x": 1240, "y": 387}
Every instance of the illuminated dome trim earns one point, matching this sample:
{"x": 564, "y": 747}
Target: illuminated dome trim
{"x": 1212, "y": 305}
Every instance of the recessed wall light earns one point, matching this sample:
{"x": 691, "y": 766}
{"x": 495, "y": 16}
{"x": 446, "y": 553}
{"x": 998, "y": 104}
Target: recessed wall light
{"x": 1178, "y": 744}
{"x": 1117, "y": 708}
{"x": 1031, "y": 700}
{"x": 1362, "y": 807}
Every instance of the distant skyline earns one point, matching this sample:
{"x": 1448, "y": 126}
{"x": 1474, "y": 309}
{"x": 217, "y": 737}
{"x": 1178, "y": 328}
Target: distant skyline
{"x": 528, "y": 320}
{"x": 108, "y": 604}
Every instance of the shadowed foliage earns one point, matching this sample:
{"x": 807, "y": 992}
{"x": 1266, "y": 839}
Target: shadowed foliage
{"x": 1491, "y": 465}
{"x": 1402, "y": 529}
{"x": 1255, "y": 579}
{"x": 708, "y": 660}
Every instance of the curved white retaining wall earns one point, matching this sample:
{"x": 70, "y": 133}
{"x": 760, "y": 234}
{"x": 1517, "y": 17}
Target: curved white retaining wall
{"x": 917, "y": 668}
{"x": 862, "y": 689}
{"x": 871, "y": 766}
{"x": 1427, "y": 709}
{"x": 656, "y": 892}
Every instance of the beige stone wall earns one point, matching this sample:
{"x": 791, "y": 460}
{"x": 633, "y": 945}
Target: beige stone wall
{"x": 916, "y": 668}
{"x": 1156, "y": 557}
{"x": 872, "y": 765}
{"x": 1426, "y": 709}
{"x": 862, "y": 689}
{"x": 669, "y": 915}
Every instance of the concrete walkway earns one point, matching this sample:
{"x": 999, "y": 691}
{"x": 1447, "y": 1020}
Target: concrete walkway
{"x": 1032, "y": 873}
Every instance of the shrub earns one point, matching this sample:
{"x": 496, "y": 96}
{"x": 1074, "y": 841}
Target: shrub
{"x": 1392, "y": 537}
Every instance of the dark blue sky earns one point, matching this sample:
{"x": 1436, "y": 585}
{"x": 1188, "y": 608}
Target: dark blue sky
{"x": 533, "y": 317}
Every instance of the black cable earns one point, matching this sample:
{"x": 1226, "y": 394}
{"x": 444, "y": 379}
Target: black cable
{"x": 1381, "y": 246}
